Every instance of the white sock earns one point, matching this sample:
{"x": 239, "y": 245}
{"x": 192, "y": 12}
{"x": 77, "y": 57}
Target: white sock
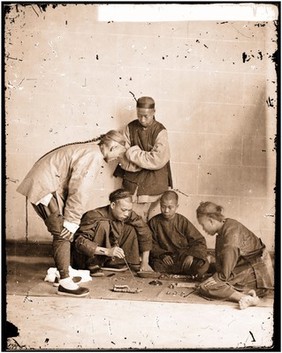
{"x": 250, "y": 299}
{"x": 68, "y": 283}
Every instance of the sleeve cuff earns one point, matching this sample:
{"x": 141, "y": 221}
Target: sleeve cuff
{"x": 72, "y": 227}
{"x": 45, "y": 200}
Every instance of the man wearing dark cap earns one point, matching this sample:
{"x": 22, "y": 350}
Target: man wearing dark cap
{"x": 145, "y": 168}
{"x": 112, "y": 236}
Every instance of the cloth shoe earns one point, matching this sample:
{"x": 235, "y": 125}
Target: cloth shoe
{"x": 68, "y": 287}
{"x": 95, "y": 271}
{"x": 79, "y": 292}
{"x": 76, "y": 279}
{"x": 114, "y": 265}
{"x": 134, "y": 267}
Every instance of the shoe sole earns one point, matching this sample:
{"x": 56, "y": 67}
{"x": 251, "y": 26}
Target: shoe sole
{"x": 72, "y": 295}
{"x": 114, "y": 269}
{"x": 97, "y": 274}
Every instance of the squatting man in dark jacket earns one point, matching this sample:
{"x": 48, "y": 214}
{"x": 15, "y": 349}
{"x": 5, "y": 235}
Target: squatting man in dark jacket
{"x": 108, "y": 235}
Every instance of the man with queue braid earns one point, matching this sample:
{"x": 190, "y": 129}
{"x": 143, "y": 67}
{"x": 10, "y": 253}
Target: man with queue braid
{"x": 58, "y": 187}
{"x": 244, "y": 271}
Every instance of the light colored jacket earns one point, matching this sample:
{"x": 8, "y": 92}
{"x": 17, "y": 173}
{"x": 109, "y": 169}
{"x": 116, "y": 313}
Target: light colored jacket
{"x": 145, "y": 168}
{"x": 136, "y": 159}
{"x": 71, "y": 172}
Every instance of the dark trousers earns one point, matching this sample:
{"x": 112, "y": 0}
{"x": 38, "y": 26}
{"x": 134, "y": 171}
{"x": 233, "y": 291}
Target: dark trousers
{"x": 198, "y": 266}
{"x": 54, "y": 223}
{"x": 83, "y": 248}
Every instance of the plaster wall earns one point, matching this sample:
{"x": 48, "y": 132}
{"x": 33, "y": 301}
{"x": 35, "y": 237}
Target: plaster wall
{"x": 68, "y": 77}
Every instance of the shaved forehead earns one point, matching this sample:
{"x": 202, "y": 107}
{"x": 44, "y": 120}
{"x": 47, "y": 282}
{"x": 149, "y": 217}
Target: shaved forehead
{"x": 169, "y": 195}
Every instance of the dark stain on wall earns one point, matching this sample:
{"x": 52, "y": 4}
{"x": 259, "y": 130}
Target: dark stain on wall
{"x": 275, "y": 143}
{"x": 260, "y": 55}
{"x": 245, "y": 57}
{"x": 270, "y": 102}
{"x": 276, "y": 59}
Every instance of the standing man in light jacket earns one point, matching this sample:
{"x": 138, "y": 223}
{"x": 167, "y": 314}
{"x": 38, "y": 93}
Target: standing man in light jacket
{"x": 145, "y": 167}
{"x": 59, "y": 186}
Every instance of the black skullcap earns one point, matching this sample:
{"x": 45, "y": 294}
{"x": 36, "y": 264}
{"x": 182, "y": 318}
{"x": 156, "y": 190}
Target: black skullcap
{"x": 146, "y": 103}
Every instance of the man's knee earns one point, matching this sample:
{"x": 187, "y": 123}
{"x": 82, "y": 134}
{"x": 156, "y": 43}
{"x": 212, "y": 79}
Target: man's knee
{"x": 130, "y": 232}
{"x": 159, "y": 266}
{"x": 208, "y": 286}
{"x": 199, "y": 266}
{"x": 84, "y": 246}
{"x": 54, "y": 223}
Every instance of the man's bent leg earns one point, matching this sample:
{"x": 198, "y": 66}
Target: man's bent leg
{"x": 61, "y": 249}
{"x": 128, "y": 241}
{"x": 83, "y": 253}
{"x": 159, "y": 266}
{"x": 153, "y": 209}
{"x": 147, "y": 209}
{"x": 84, "y": 248}
{"x": 142, "y": 210}
{"x": 214, "y": 288}
{"x": 61, "y": 253}
{"x": 198, "y": 267}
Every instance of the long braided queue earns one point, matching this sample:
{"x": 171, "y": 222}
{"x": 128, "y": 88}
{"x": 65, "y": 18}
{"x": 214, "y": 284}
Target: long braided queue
{"x": 95, "y": 139}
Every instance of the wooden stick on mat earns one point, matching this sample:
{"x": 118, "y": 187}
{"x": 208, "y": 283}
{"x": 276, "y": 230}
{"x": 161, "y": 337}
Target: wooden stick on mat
{"x": 129, "y": 269}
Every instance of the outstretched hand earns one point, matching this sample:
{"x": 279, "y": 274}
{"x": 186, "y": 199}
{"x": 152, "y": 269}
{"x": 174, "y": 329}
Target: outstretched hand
{"x": 116, "y": 252}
